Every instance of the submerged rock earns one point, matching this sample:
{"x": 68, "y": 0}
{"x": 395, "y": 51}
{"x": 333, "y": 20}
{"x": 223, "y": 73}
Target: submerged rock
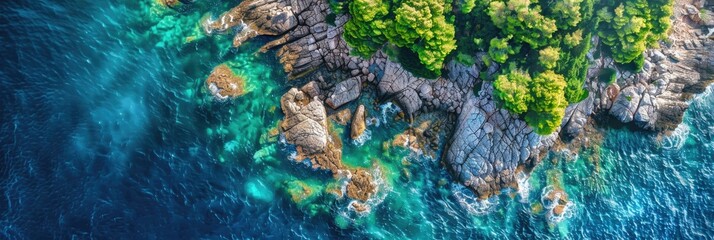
{"x": 224, "y": 83}
{"x": 342, "y": 117}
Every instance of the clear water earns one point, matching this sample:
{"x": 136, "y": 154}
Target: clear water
{"x": 107, "y": 132}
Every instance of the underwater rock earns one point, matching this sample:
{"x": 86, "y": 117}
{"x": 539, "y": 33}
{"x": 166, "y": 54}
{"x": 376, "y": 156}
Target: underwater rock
{"x": 170, "y": 3}
{"x": 358, "y": 123}
{"x": 305, "y": 123}
{"x": 361, "y": 186}
{"x": 406, "y": 140}
{"x": 359, "y": 207}
{"x": 556, "y": 201}
{"x": 224, "y": 83}
{"x": 300, "y": 192}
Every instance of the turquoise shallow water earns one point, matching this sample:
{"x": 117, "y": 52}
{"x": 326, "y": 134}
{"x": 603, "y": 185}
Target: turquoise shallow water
{"x": 107, "y": 132}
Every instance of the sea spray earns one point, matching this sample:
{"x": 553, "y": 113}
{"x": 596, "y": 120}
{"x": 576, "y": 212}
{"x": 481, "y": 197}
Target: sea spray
{"x": 366, "y": 136}
{"x": 472, "y": 203}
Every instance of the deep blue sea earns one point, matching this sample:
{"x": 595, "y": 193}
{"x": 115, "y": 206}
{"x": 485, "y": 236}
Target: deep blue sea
{"x": 107, "y": 132}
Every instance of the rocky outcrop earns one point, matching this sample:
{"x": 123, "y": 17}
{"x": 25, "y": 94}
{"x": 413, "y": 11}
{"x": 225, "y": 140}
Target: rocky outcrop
{"x": 305, "y": 123}
{"x": 253, "y": 18}
{"x": 657, "y": 97}
{"x": 490, "y": 145}
{"x": 359, "y": 124}
{"x": 361, "y": 187}
{"x": 635, "y": 104}
{"x": 345, "y": 91}
{"x": 223, "y": 83}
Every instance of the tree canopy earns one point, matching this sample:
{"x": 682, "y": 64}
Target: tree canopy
{"x": 545, "y": 43}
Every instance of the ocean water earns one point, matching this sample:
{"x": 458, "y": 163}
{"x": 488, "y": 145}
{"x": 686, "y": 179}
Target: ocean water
{"x": 107, "y": 132}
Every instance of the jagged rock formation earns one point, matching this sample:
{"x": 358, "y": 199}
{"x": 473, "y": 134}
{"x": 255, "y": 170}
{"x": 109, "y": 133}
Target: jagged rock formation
{"x": 656, "y": 98}
{"x": 305, "y": 123}
{"x": 489, "y": 146}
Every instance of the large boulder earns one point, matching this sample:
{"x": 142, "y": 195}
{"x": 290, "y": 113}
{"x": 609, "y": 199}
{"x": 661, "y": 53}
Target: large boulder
{"x": 345, "y": 91}
{"x": 490, "y": 145}
{"x": 635, "y": 104}
{"x": 358, "y": 123}
{"x": 305, "y": 123}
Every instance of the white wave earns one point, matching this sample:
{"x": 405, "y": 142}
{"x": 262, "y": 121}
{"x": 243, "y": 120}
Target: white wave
{"x": 366, "y": 136}
{"x": 471, "y": 203}
{"x": 524, "y": 187}
{"x": 676, "y": 140}
{"x": 549, "y": 205}
{"x": 389, "y": 109}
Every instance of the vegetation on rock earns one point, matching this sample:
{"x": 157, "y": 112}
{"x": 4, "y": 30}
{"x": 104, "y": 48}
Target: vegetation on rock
{"x": 544, "y": 42}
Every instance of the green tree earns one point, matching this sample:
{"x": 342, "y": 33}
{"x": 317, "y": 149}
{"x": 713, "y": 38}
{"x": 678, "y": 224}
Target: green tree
{"x": 547, "y": 107}
{"x": 364, "y": 31}
{"x": 420, "y": 25}
{"x": 523, "y": 20}
{"x": 499, "y": 49}
{"x": 513, "y": 91}
{"x": 548, "y": 57}
{"x": 632, "y": 25}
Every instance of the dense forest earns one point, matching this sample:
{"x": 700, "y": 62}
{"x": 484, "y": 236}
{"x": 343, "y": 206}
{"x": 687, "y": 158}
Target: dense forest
{"x": 541, "y": 45}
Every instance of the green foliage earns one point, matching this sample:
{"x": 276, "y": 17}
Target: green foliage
{"x": 629, "y": 26}
{"x": 467, "y": 6}
{"x": 608, "y": 75}
{"x": 465, "y": 59}
{"x": 548, "y": 57}
{"x": 364, "y": 31}
{"x": 523, "y": 20}
{"x": 420, "y": 25}
{"x": 546, "y": 109}
{"x": 499, "y": 50}
{"x": 548, "y": 38}
{"x": 573, "y": 39}
{"x": 567, "y": 13}
{"x": 513, "y": 91}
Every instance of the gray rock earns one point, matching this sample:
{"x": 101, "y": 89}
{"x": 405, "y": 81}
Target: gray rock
{"x": 576, "y": 116}
{"x": 311, "y": 89}
{"x": 489, "y": 145}
{"x": 626, "y": 103}
{"x": 345, "y": 91}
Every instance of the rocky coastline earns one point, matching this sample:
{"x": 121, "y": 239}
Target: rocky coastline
{"x": 486, "y": 147}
